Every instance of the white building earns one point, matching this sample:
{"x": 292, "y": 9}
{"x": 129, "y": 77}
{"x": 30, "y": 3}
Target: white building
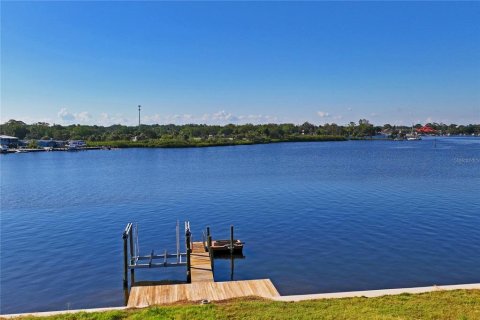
{"x": 11, "y": 142}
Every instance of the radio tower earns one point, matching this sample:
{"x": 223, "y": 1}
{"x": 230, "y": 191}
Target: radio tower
{"x": 139, "y": 107}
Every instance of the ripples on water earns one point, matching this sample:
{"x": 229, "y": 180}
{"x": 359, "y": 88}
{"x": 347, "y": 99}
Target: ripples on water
{"x": 316, "y": 217}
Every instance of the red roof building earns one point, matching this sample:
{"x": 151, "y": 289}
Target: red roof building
{"x": 426, "y": 130}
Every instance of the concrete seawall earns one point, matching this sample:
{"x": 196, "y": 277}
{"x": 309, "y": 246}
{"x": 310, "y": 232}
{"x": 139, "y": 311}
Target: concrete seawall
{"x": 375, "y": 293}
{"x": 292, "y": 298}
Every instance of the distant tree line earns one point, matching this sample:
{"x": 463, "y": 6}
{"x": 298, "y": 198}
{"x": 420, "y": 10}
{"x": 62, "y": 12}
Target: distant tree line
{"x": 202, "y": 132}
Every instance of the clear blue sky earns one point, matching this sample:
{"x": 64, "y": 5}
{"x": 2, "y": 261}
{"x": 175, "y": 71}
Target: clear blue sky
{"x": 220, "y": 62}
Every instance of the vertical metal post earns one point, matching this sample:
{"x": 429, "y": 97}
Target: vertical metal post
{"x": 132, "y": 271}
{"x": 178, "y": 242}
{"x": 125, "y": 261}
{"x": 209, "y": 242}
{"x": 139, "y": 107}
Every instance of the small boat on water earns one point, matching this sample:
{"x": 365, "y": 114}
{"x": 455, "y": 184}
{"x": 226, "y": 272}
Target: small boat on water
{"x": 412, "y": 138}
{"x": 224, "y": 246}
{"x": 413, "y": 135}
{"x": 76, "y": 145}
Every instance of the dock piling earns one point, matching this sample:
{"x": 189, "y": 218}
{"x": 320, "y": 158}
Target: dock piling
{"x": 231, "y": 239}
{"x": 189, "y": 251}
{"x": 210, "y": 251}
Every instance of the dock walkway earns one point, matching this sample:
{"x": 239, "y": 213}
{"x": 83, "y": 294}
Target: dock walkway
{"x": 201, "y": 266}
{"x": 144, "y": 296}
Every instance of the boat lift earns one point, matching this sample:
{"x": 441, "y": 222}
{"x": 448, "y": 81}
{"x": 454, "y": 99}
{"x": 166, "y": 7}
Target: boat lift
{"x": 133, "y": 260}
{"x": 231, "y": 249}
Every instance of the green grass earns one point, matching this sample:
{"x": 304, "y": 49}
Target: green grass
{"x": 444, "y": 305}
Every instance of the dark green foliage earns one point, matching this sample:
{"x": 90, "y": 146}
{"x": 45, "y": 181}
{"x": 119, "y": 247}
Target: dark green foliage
{"x": 190, "y": 135}
{"x": 201, "y": 135}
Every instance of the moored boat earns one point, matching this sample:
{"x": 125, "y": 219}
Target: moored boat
{"x": 224, "y": 246}
{"x": 75, "y": 145}
{"x": 411, "y": 138}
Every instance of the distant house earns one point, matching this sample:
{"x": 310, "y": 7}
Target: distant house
{"x": 11, "y": 142}
{"x": 426, "y": 130}
{"x": 51, "y": 143}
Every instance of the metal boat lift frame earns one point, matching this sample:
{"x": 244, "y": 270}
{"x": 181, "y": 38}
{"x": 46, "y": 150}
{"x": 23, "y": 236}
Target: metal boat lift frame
{"x": 133, "y": 260}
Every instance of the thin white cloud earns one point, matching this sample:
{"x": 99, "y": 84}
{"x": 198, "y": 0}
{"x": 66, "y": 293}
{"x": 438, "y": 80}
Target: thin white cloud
{"x": 64, "y": 115}
{"x": 223, "y": 116}
{"x": 323, "y": 114}
{"x": 217, "y": 118}
{"x": 106, "y": 119}
{"x": 83, "y": 116}
{"x": 67, "y": 117}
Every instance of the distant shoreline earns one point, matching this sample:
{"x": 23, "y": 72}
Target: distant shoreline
{"x": 178, "y": 144}
{"x": 173, "y": 143}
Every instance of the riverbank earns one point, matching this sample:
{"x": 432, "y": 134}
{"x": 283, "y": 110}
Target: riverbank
{"x": 177, "y": 143}
{"x": 457, "y": 304}
{"x": 195, "y": 143}
{"x": 27, "y": 150}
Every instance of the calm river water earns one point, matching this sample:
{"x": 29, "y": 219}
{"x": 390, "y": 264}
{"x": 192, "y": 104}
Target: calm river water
{"x": 316, "y": 217}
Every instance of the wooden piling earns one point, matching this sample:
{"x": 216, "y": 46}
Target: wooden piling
{"x": 232, "y": 266}
{"x": 231, "y": 239}
{"x": 210, "y": 251}
{"x": 189, "y": 251}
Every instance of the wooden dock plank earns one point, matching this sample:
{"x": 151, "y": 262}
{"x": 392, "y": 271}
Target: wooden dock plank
{"x": 201, "y": 267}
{"x": 144, "y": 296}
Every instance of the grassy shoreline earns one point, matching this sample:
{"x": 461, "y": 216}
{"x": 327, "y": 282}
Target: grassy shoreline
{"x": 456, "y": 304}
{"x": 177, "y": 143}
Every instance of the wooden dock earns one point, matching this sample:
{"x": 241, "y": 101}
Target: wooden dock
{"x": 201, "y": 266}
{"x": 144, "y": 296}
{"x": 200, "y": 284}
